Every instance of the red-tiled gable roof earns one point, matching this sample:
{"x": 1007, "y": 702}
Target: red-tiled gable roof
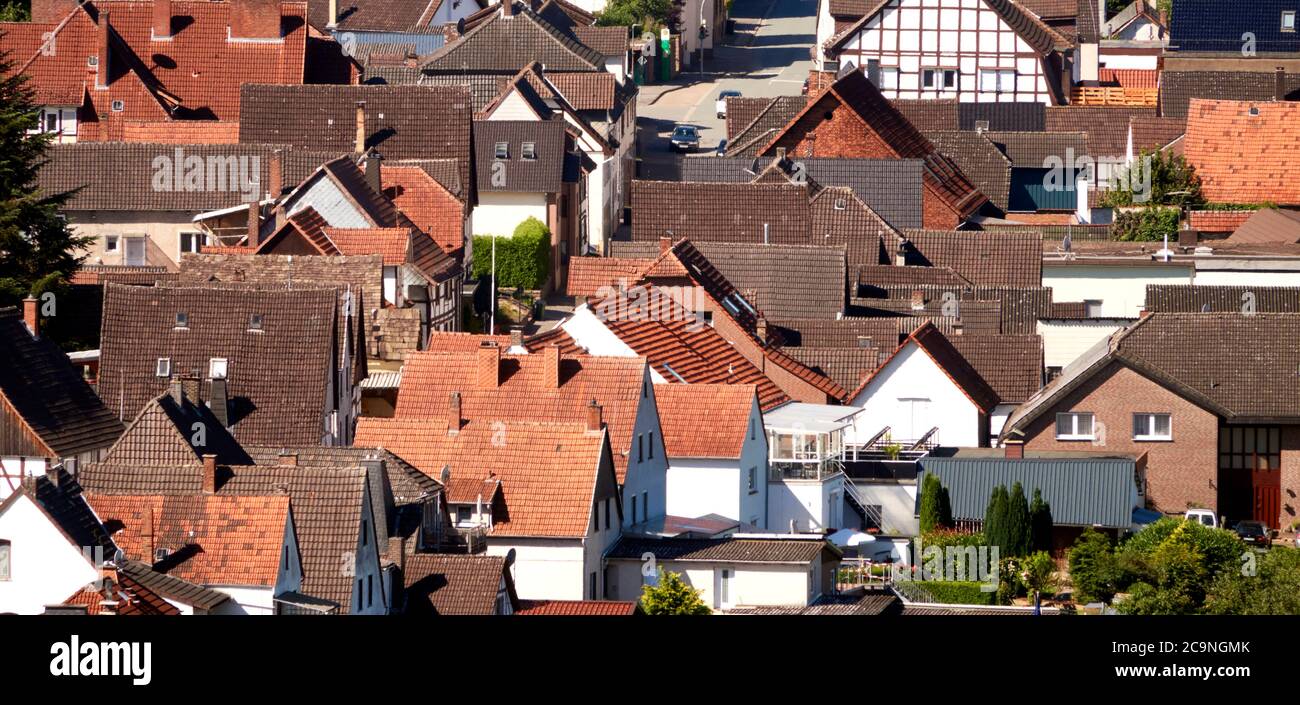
{"x": 1245, "y": 152}
{"x": 857, "y": 94}
{"x": 433, "y": 209}
{"x": 548, "y": 471}
{"x": 526, "y": 390}
{"x": 468, "y": 490}
{"x": 682, "y": 348}
{"x": 42, "y": 393}
{"x": 391, "y": 243}
{"x": 199, "y": 66}
{"x": 588, "y": 274}
{"x": 1130, "y": 78}
{"x": 950, "y": 360}
{"x": 705, "y": 420}
{"x": 577, "y": 608}
{"x": 452, "y": 584}
{"x": 276, "y": 376}
{"x": 210, "y": 539}
{"x": 1218, "y": 221}
{"x": 453, "y": 341}
{"x": 131, "y": 597}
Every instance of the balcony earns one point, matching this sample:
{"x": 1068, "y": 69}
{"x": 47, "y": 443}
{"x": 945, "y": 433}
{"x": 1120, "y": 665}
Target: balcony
{"x": 469, "y": 539}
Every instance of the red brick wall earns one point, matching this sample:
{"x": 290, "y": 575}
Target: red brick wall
{"x": 842, "y": 135}
{"x": 1179, "y": 472}
{"x": 1290, "y": 505}
{"x": 936, "y": 214}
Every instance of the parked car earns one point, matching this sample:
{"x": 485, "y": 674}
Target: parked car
{"x": 1254, "y": 533}
{"x": 722, "y": 102}
{"x": 1204, "y": 517}
{"x": 686, "y": 138}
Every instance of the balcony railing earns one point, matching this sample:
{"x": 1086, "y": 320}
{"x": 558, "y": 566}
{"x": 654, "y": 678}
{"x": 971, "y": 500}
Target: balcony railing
{"x": 472, "y": 539}
{"x": 800, "y": 470}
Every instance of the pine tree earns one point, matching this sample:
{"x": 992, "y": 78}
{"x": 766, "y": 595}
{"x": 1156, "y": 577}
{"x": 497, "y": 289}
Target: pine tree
{"x": 995, "y": 519}
{"x": 930, "y": 509}
{"x": 1017, "y": 526}
{"x": 37, "y": 250}
{"x": 1040, "y": 523}
{"x": 945, "y": 507}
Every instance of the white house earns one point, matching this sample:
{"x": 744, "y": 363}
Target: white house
{"x": 742, "y": 570}
{"x": 807, "y": 487}
{"x": 717, "y": 451}
{"x": 925, "y": 391}
{"x": 982, "y": 51}
{"x": 1112, "y": 287}
{"x": 48, "y": 548}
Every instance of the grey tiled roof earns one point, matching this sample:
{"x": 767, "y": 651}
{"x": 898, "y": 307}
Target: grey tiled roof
{"x": 752, "y": 137}
{"x": 1106, "y": 127}
{"x": 980, "y": 160}
{"x": 1187, "y": 298}
{"x": 1017, "y": 309}
{"x": 1033, "y": 150}
{"x": 738, "y": 550}
{"x": 506, "y": 44}
{"x": 1177, "y": 88}
{"x": 1017, "y": 117}
{"x": 695, "y": 211}
{"x": 542, "y": 174}
{"x": 987, "y": 259}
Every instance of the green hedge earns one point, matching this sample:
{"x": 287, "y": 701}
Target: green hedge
{"x": 523, "y": 260}
{"x": 947, "y": 592}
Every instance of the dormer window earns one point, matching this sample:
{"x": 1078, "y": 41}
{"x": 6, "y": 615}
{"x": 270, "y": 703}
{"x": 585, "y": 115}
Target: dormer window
{"x": 119, "y": 106}
{"x": 255, "y": 321}
{"x": 163, "y": 368}
{"x": 1288, "y": 21}
{"x": 502, "y": 150}
{"x": 182, "y": 320}
{"x": 529, "y": 150}
{"x": 841, "y": 204}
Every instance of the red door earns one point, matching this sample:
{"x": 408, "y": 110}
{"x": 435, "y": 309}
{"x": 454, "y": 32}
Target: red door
{"x": 1266, "y": 489}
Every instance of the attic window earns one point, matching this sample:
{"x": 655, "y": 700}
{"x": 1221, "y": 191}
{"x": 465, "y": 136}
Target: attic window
{"x": 182, "y": 320}
{"x": 1288, "y": 21}
{"x": 92, "y": 61}
{"x": 163, "y": 367}
{"x": 841, "y": 204}
{"x": 217, "y": 368}
{"x": 864, "y": 341}
{"x": 529, "y": 150}
{"x": 118, "y": 106}
{"x": 502, "y": 150}
{"x": 255, "y": 321}
{"x": 1254, "y": 111}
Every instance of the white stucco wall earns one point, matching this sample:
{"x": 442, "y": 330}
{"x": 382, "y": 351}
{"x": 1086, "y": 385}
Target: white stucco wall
{"x": 647, "y": 478}
{"x": 1064, "y": 340}
{"x": 544, "y": 569}
{"x": 1121, "y": 289}
{"x": 12, "y": 470}
{"x": 810, "y": 504}
{"x": 897, "y": 502}
{"x": 752, "y": 584}
{"x": 1258, "y": 274}
{"x": 911, "y": 395}
{"x": 44, "y": 568}
{"x": 499, "y": 212}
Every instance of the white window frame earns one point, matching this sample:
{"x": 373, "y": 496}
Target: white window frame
{"x": 1288, "y": 15}
{"x": 1150, "y": 420}
{"x": 1004, "y": 80}
{"x": 218, "y": 363}
{"x": 112, "y": 243}
{"x": 140, "y": 241}
{"x": 7, "y": 548}
{"x": 199, "y": 240}
{"x": 940, "y": 73}
{"x": 888, "y": 78}
{"x": 1074, "y": 435}
{"x": 163, "y": 367}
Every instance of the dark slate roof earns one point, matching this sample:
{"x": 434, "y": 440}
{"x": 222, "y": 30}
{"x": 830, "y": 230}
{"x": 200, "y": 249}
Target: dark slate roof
{"x": 507, "y": 43}
{"x": 1035, "y": 150}
{"x": 276, "y": 376}
{"x": 1106, "y": 127}
{"x": 1187, "y": 298}
{"x": 986, "y": 259}
{"x": 418, "y": 122}
{"x": 1018, "y": 117}
{"x": 980, "y": 160}
{"x": 172, "y": 588}
{"x": 718, "y": 212}
{"x": 782, "y": 281}
{"x": 449, "y": 584}
{"x": 49, "y": 394}
{"x": 1011, "y": 364}
{"x": 62, "y": 499}
{"x": 540, "y": 175}
{"x": 1081, "y": 491}
{"x": 1177, "y": 88}
{"x": 931, "y": 115}
{"x": 1216, "y": 26}
{"x": 732, "y": 550}
{"x": 1016, "y": 309}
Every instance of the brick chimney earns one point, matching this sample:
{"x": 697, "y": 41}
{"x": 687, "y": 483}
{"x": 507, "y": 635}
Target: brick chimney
{"x": 372, "y": 166}
{"x": 287, "y": 458}
{"x": 255, "y": 20}
{"x": 162, "y": 19}
{"x": 254, "y": 224}
{"x": 177, "y": 391}
{"x": 489, "y": 366}
{"x": 918, "y": 300}
{"x": 209, "y": 474}
{"x": 665, "y": 244}
{"x": 516, "y": 337}
{"x": 1279, "y": 84}
{"x": 594, "y": 421}
{"x": 507, "y": 8}
{"x": 456, "y": 416}
{"x": 275, "y": 175}
{"x": 760, "y": 329}
{"x": 900, "y": 253}
{"x": 32, "y": 316}
{"x": 397, "y": 550}
{"x": 359, "y": 146}
{"x": 1015, "y": 448}
{"x": 102, "y": 57}
{"x": 551, "y": 363}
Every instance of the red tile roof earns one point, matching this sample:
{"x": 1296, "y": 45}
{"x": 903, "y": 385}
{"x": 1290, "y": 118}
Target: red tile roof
{"x": 548, "y": 471}
{"x": 577, "y": 608}
{"x": 1245, "y": 152}
{"x": 132, "y": 598}
{"x": 1218, "y": 221}
{"x": 588, "y": 274}
{"x": 210, "y": 539}
{"x": 705, "y": 420}
{"x": 392, "y": 243}
{"x": 427, "y": 203}
{"x": 1130, "y": 78}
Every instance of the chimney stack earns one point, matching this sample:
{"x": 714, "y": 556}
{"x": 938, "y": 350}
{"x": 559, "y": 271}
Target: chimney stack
{"x": 516, "y": 337}
{"x": 1015, "y": 445}
{"x": 551, "y": 359}
{"x": 32, "y": 316}
{"x": 665, "y": 244}
{"x": 275, "y": 175}
{"x": 396, "y": 546}
{"x": 254, "y": 224}
{"x": 918, "y": 300}
{"x": 289, "y": 459}
{"x": 209, "y": 474}
{"x": 593, "y": 417}
{"x": 372, "y": 166}
{"x": 489, "y": 365}
{"x": 334, "y": 14}
{"x": 760, "y": 329}
{"x": 102, "y": 58}
{"x": 1279, "y": 84}
{"x": 219, "y": 402}
{"x": 507, "y": 8}
{"x": 162, "y": 19}
{"x": 177, "y": 391}
{"x": 360, "y": 145}
{"x": 900, "y": 253}
{"x": 780, "y": 154}
{"x": 255, "y": 20}
{"x": 456, "y": 418}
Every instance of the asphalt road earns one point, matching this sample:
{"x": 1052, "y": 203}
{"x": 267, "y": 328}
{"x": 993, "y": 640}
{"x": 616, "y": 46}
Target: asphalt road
{"x": 769, "y": 55}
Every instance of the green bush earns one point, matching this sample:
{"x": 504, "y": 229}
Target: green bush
{"x": 1093, "y": 569}
{"x": 948, "y": 592}
{"x": 1040, "y": 523}
{"x": 1270, "y": 590}
{"x": 523, "y": 260}
{"x": 944, "y": 538}
{"x": 1150, "y": 224}
{"x": 1017, "y": 522}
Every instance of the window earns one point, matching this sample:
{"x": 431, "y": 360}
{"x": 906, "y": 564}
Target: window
{"x": 1152, "y": 427}
{"x": 607, "y": 513}
{"x": 192, "y": 242}
{"x": 645, "y": 504}
{"x": 163, "y": 368}
{"x": 1074, "y": 427}
{"x": 182, "y": 320}
{"x": 640, "y": 448}
{"x": 753, "y": 480}
{"x": 633, "y": 509}
{"x": 651, "y": 445}
{"x": 753, "y": 430}
{"x": 370, "y": 590}
{"x": 118, "y": 106}
{"x": 1288, "y": 21}
{"x": 939, "y": 79}
{"x": 502, "y": 150}
{"x": 255, "y": 321}
{"x": 360, "y": 584}
{"x": 724, "y": 587}
{"x": 462, "y": 515}
{"x": 529, "y": 150}
{"x": 591, "y": 587}
{"x": 135, "y": 251}
{"x": 110, "y": 243}
{"x": 841, "y": 204}
{"x": 6, "y": 551}
{"x": 217, "y": 370}
{"x": 286, "y": 558}
{"x": 1092, "y": 308}
{"x": 997, "y": 80}
{"x": 888, "y": 78}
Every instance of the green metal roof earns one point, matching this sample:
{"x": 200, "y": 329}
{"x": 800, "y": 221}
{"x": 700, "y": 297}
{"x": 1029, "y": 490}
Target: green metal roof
{"x": 1081, "y": 492}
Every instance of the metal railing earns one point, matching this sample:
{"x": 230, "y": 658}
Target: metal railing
{"x": 882, "y": 447}
{"x": 470, "y": 539}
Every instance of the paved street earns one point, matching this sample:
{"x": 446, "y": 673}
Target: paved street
{"x": 767, "y": 56}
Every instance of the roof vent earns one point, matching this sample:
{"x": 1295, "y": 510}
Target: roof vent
{"x": 1254, "y": 111}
